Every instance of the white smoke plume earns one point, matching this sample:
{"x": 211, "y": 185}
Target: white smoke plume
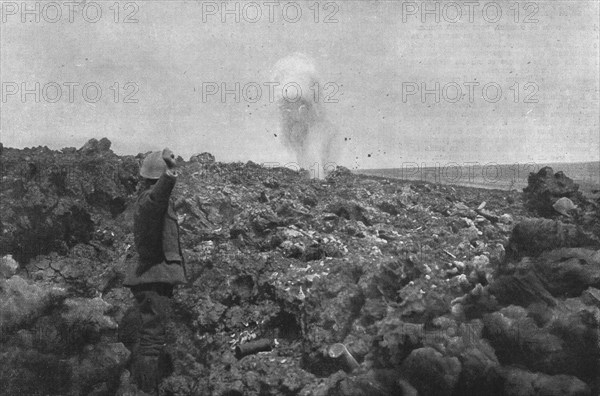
{"x": 304, "y": 127}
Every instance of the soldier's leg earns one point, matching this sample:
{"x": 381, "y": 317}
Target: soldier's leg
{"x": 154, "y": 307}
{"x": 129, "y": 328}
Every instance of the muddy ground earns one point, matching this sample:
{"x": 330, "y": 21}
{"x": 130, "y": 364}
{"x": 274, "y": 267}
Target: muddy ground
{"x": 433, "y": 290}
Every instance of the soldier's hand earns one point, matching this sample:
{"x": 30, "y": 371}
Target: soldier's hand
{"x": 169, "y": 158}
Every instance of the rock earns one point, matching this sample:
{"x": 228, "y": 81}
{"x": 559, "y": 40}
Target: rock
{"x": 520, "y": 289}
{"x": 591, "y": 296}
{"x": 22, "y": 302}
{"x": 478, "y": 375}
{"x": 394, "y": 342}
{"x": 100, "y": 389}
{"x": 546, "y": 187}
{"x": 183, "y": 384}
{"x": 577, "y": 326}
{"x": 293, "y": 250}
{"x": 88, "y": 312}
{"x": 331, "y": 307}
{"x": 389, "y": 207}
{"x": 203, "y": 158}
{"x": 430, "y": 372}
{"x": 264, "y": 198}
{"x": 566, "y": 343}
{"x": 560, "y": 385}
{"x": 71, "y": 326}
{"x": 78, "y": 274}
{"x": 518, "y": 340}
{"x": 339, "y": 172}
{"x": 255, "y": 375}
{"x": 406, "y": 388}
{"x": 532, "y": 236}
{"x": 460, "y": 223}
{"x": 310, "y": 200}
{"x": 469, "y": 234}
{"x": 101, "y": 363}
{"x": 506, "y": 219}
{"x": 462, "y": 210}
{"x": 497, "y": 253}
{"x": 488, "y": 215}
{"x": 420, "y": 306}
{"x": 407, "y": 196}
{"x": 271, "y": 183}
{"x": 349, "y": 211}
{"x": 557, "y": 184}
{"x": 564, "y": 206}
{"x": 375, "y": 383}
{"x": 126, "y": 385}
{"x": 29, "y": 372}
{"x": 518, "y": 382}
{"x": 48, "y": 201}
{"x": 8, "y": 266}
{"x": 265, "y": 221}
{"x": 568, "y": 272}
{"x": 481, "y": 270}
{"x": 93, "y": 146}
{"x": 389, "y": 277}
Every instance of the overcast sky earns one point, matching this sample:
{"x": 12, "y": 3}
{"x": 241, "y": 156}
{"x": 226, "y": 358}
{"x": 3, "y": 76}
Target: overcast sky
{"x": 377, "y": 56}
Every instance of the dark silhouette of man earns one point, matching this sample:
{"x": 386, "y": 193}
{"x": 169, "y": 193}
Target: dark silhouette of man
{"x": 159, "y": 268}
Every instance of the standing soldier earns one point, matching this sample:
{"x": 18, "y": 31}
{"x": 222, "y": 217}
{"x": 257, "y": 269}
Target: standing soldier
{"x": 158, "y": 270}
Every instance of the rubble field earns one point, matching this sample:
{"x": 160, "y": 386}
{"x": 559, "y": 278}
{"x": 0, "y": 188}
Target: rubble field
{"x": 350, "y": 285}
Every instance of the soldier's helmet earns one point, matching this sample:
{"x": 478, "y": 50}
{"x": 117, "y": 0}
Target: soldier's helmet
{"x": 153, "y": 166}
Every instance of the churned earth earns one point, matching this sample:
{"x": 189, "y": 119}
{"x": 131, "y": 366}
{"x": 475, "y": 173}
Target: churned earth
{"x": 357, "y": 285}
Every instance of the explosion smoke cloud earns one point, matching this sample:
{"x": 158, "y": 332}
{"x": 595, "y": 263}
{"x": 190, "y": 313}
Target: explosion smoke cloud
{"x": 304, "y": 128}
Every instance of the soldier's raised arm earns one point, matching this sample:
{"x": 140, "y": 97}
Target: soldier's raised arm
{"x": 161, "y": 166}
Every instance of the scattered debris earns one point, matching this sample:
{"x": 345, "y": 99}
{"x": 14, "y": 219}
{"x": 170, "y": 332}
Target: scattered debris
{"x": 339, "y": 350}
{"x": 564, "y": 206}
{"x": 252, "y": 347}
{"x": 403, "y": 277}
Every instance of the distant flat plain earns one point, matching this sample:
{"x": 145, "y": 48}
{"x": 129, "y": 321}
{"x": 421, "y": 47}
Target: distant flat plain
{"x": 491, "y": 176}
